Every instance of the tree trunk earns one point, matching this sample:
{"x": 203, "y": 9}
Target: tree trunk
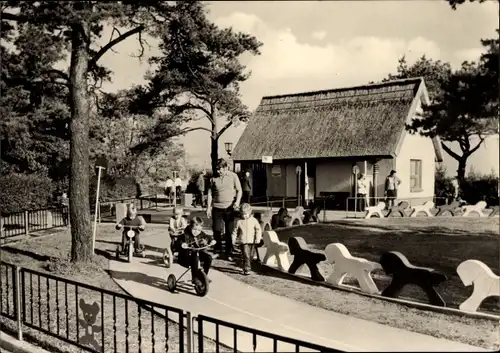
{"x": 462, "y": 163}
{"x": 214, "y": 147}
{"x": 81, "y": 234}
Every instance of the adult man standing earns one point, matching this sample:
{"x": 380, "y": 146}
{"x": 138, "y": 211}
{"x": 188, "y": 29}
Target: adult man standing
{"x": 223, "y": 199}
{"x": 246, "y": 186}
{"x": 391, "y": 188}
{"x": 362, "y": 192}
{"x": 200, "y": 189}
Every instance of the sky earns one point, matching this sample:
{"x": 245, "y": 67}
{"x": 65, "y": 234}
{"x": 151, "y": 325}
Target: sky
{"x": 315, "y": 45}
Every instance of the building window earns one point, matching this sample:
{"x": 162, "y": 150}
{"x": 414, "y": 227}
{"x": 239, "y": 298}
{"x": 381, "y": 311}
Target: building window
{"x": 415, "y": 175}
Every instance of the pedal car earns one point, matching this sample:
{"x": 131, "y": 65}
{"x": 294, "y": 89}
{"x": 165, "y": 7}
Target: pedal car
{"x": 198, "y": 277}
{"x": 130, "y": 245}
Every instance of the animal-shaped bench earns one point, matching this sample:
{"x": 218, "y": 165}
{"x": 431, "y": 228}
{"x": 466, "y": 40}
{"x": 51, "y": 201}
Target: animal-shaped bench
{"x": 276, "y": 251}
{"x": 295, "y": 217}
{"x": 312, "y": 215}
{"x": 265, "y": 220}
{"x": 378, "y": 210}
{"x": 486, "y": 283}
{"x": 494, "y": 212}
{"x": 477, "y": 208}
{"x": 302, "y": 255}
{"x": 346, "y": 264}
{"x": 453, "y": 208}
{"x": 403, "y": 272}
{"x": 425, "y": 208}
{"x": 399, "y": 208}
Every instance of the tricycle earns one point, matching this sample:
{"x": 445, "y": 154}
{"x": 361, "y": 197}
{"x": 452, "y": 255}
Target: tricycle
{"x": 130, "y": 244}
{"x": 198, "y": 277}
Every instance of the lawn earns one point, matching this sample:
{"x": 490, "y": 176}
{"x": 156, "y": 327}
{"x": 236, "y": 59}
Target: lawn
{"x": 438, "y": 243}
{"x": 50, "y": 254}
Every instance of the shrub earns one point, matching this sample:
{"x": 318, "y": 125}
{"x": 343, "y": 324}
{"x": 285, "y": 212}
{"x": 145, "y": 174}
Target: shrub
{"x": 473, "y": 189}
{"x": 20, "y": 192}
{"x": 478, "y": 187}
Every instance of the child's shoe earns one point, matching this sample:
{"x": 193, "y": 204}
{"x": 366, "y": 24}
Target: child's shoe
{"x": 246, "y": 272}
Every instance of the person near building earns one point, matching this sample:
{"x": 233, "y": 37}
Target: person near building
{"x": 246, "y": 186}
{"x": 169, "y": 188}
{"x": 178, "y": 186}
{"x": 362, "y": 192}
{"x": 223, "y": 202}
{"x": 200, "y": 189}
{"x": 392, "y": 183}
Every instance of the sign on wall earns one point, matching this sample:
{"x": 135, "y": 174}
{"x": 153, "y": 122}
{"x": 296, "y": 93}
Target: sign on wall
{"x": 276, "y": 171}
{"x": 267, "y": 159}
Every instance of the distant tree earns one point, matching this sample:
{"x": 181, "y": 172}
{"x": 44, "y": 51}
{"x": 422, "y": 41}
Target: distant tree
{"x": 198, "y": 75}
{"x": 455, "y": 3}
{"x": 463, "y": 109}
{"x": 74, "y": 28}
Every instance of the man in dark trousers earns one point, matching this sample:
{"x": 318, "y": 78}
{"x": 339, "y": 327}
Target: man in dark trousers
{"x": 223, "y": 202}
{"x": 246, "y": 186}
{"x": 200, "y": 189}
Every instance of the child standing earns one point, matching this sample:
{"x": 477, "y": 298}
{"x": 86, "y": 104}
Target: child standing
{"x": 176, "y": 227}
{"x": 247, "y": 233}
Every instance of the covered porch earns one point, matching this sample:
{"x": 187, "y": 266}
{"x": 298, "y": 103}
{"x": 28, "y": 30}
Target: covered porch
{"x": 308, "y": 180}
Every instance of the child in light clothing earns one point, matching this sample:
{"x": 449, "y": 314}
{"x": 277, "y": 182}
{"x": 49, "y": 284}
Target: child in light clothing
{"x": 176, "y": 227}
{"x": 247, "y": 233}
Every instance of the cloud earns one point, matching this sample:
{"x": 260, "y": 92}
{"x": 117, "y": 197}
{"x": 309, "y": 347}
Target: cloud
{"x": 287, "y": 65}
{"x": 471, "y": 54}
{"x": 319, "y": 35}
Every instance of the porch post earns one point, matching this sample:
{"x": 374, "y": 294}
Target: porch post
{"x": 306, "y": 184}
{"x": 375, "y": 181}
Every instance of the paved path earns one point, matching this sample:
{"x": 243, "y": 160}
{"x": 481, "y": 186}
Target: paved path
{"x": 236, "y": 302}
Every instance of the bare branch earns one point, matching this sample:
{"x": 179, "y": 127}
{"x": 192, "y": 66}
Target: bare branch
{"x": 224, "y": 128}
{"x": 141, "y": 43}
{"x": 185, "y": 131}
{"x": 112, "y": 43}
{"x": 475, "y": 148}
{"x": 57, "y": 72}
{"x": 450, "y": 152}
{"x": 112, "y": 35}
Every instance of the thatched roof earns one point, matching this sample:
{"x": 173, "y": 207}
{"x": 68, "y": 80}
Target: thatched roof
{"x": 347, "y": 122}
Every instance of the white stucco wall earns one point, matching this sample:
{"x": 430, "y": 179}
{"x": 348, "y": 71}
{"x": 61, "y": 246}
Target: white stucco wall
{"x": 416, "y": 147}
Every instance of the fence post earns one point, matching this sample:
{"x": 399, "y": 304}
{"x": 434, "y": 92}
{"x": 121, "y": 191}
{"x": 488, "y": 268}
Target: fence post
{"x": 17, "y": 302}
{"x": 26, "y": 223}
{"x": 200, "y": 335}
{"x": 189, "y": 328}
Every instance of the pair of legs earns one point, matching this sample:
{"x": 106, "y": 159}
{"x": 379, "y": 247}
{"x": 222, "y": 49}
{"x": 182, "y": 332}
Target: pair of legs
{"x": 205, "y": 260}
{"x": 247, "y": 252}
{"x": 361, "y": 202}
{"x": 168, "y": 250}
{"x": 223, "y": 223}
{"x": 136, "y": 240}
{"x": 246, "y": 196}
{"x": 198, "y": 199}
{"x": 391, "y": 197}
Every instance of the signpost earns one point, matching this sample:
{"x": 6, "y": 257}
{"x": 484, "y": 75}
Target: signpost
{"x": 355, "y": 171}
{"x": 100, "y": 164}
{"x": 175, "y": 173}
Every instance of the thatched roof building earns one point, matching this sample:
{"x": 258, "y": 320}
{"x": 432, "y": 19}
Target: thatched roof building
{"x": 363, "y": 121}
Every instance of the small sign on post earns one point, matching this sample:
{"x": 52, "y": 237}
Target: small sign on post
{"x": 100, "y": 164}
{"x": 267, "y": 159}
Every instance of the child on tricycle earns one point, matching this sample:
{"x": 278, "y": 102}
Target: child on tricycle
{"x": 131, "y": 222}
{"x": 194, "y": 242}
{"x": 176, "y": 228}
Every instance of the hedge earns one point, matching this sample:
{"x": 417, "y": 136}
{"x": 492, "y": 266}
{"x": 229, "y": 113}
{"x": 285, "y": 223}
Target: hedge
{"x": 20, "y": 192}
{"x": 473, "y": 189}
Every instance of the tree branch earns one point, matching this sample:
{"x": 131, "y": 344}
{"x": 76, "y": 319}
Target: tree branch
{"x": 224, "y": 128}
{"x": 185, "y": 131}
{"x": 450, "y": 152}
{"x": 112, "y": 43}
{"x": 481, "y": 140}
{"x": 12, "y": 17}
{"x": 58, "y": 72}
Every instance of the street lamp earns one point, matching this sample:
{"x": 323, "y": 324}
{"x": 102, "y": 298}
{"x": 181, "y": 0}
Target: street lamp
{"x": 229, "y": 148}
